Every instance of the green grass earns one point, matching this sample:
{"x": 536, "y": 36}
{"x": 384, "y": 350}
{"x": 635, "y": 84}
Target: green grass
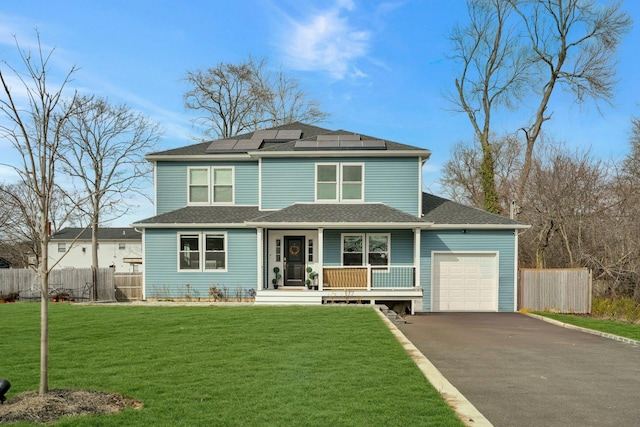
{"x": 225, "y": 366}
{"x": 622, "y": 329}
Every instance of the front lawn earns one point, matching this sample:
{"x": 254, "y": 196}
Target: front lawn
{"x": 623, "y": 329}
{"x": 225, "y": 366}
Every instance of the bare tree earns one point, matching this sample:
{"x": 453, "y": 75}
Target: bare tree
{"x": 238, "y": 98}
{"x": 33, "y": 126}
{"x": 554, "y": 43}
{"x": 574, "y": 44}
{"x": 461, "y": 178}
{"x": 104, "y": 153}
{"x": 566, "y": 195}
{"x": 493, "y": 74}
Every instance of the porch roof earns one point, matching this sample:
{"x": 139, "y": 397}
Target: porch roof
{"x": 341, "y": 215}
{"x": 210, "y": 216}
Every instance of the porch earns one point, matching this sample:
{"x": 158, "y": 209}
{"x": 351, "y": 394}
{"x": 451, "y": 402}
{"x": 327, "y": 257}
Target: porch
{"x": 365, "y": 284}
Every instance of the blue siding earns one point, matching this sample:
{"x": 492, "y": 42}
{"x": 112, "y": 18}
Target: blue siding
{"x": 171, "y": 183}
{"x": 501, "y": 241}
{"x": 393, "y": 181}
{"x": 162, "y": 278}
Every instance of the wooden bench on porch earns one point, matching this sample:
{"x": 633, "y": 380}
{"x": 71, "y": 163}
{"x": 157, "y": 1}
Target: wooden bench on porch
{"x": 345, "y": 278}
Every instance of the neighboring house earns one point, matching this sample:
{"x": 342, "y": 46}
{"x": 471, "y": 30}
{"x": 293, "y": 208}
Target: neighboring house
{"x": 118, "y": 247}
{"x": 348, "y": 207}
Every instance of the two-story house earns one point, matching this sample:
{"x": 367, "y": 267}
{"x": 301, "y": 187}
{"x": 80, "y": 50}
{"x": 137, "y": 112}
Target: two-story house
{"x": 118, "y": 247}
{"x": 302, "y": 214}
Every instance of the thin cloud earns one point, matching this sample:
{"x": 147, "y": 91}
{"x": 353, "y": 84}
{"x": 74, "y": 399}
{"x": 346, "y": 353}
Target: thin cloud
{"x": 325, "y": 40}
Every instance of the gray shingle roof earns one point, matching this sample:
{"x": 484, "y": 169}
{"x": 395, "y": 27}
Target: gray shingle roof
{"x": 444, "y": 211}
{"x": 104, "y": 233}
{"x": 319, "y": 213}
{"x": 205, "y": 215}
{"x": 437, "y": 211}
{"x": 309, "y": 132}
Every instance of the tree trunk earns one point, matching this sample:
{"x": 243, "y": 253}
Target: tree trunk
{"x": 487, "y": 173}
{"x": 94, "y": 259}
{"x": 44, "y": 308}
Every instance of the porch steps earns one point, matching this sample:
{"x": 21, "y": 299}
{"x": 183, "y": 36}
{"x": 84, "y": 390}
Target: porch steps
{"x": 392, "y": 315}
{"x": 285, "y": 297}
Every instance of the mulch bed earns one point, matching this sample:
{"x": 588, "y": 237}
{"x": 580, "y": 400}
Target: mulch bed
{"x": 31, "y": 407}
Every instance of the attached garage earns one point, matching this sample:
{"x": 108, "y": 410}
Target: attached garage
{"x": 465, "y": 281}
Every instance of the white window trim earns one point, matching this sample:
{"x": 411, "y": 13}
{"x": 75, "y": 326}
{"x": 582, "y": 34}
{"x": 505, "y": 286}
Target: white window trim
{"x": 202, "y": 250}
{"x": 364, "y": 251}
{"x": 213, "y": 184}
{"x": 189, "y": 169}
{"x": 315, "y": 189}
{"x": 179, "y": 251}
{"x": 388, "y": 236}
{"x": 339, "y": 183}
{"x": 365, "y": 248}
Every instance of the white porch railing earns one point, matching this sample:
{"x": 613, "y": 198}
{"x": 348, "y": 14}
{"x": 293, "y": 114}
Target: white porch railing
{"x": 369, "y": 277}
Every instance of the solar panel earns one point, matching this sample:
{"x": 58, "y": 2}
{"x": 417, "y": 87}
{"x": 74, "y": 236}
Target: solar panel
{"x": 222, "y": 145}
{"x": 329, "y": 143}
{"x": 288, "y": 135}
{"x": 306, "y": 145}
{"x": 350, "y": 137}
{"x": 374, "y": 144}
{"x": 326, "y": 137}
{"x": 265, "y": 134}
{"x": 247, "y": 144}
{"x": 350, "y": 143}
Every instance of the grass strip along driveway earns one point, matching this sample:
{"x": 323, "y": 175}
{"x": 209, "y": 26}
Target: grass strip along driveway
{"x": 623, "y": 329}
{"x": 281, "y": 366}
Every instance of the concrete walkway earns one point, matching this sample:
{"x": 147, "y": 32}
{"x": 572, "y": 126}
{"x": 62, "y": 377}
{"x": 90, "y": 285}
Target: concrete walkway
{"x": 520, "y": 371}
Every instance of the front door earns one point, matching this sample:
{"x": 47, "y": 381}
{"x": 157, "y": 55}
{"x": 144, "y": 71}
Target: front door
{"x": 294, "y": 261}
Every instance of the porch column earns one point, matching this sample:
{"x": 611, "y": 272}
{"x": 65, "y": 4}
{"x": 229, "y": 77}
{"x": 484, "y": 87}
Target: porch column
{"x": 416, "y": 255}
{"x": 260, "y": 263}
{"x": 320, "y": 250}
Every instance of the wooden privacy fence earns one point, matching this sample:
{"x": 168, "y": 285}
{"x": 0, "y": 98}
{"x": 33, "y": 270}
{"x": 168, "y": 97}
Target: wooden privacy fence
{"x": 128, "y": 286}
{"x": 555, "y": 290}
{"x": 73, "y": 281}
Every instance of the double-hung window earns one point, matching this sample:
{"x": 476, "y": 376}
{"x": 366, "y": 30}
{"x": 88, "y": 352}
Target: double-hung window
{"x": 339, "y": 182}
{"x": 366, "y": 249}
{"x": 215, "y": 253}
{"x": 199, "y": 185}
{"x": 222, "y": 185}
{"x": 210, "y": 185}
{"x": 189, "y": 252}
{"x": 210, "y": 247}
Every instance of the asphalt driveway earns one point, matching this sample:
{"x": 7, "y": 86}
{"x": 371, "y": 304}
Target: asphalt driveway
{"x": 521, "y": 371}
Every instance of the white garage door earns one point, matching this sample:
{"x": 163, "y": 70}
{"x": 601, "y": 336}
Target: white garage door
{"x": 465, "y": 282}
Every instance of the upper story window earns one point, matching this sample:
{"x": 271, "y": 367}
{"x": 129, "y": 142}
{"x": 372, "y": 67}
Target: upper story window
{"x": 222, "y": 185}
{"x": 122, "y": 246}
{"x": 210, "y": 185}
{"x": 199, "y": 185}
{"x": 62, "y": 247}
{"x": 339, "y": 182}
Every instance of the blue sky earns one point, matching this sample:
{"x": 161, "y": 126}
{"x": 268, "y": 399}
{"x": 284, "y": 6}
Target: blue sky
{"x": 379, "y": 67}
